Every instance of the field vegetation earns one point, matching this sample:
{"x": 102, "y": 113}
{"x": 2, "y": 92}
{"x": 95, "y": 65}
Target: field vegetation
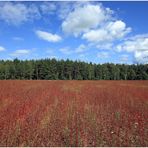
{"x": 73, "y": 113}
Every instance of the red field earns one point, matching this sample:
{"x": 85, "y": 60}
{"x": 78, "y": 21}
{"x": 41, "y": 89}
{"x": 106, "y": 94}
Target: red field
{"x": 73, "y": 113}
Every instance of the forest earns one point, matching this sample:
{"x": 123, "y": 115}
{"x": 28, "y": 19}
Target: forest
{"x": 52, "y": 69}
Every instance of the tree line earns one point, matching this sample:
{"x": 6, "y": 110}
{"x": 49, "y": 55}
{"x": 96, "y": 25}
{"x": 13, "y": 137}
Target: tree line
{"x": 52, "y": 69}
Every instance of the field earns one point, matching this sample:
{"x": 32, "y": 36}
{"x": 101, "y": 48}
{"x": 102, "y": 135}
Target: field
{"x": 73, "y": 113}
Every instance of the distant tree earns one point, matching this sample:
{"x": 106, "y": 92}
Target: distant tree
{"x": 105, "y": 72}
{"x": 131, "y": 74}
{"x": 123, "y": 71}
{"x": 51, "y": 69}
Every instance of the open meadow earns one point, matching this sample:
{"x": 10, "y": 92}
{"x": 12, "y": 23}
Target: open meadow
{"x": 73, "y": 113}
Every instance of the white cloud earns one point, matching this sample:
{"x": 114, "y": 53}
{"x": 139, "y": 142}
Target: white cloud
{"x": 117, "y": 29}
{"x": 67, "y": 7}
{"x": 84, "y": 18}
{"x": 103, "y": 55}
{"x": 66, "y": 50}
{"x": 141, "y": 57}
{"x": 110, "y": 32}
{"x": 20, "y": 52}
{"x": 48, "y": 36}
{"x": 81, "y": 48}
{"x": 138, "y": 45}
{"x": 138, "y": 36}
{"x": 64, "y": 9}
{"x": 17, "y": 13}
{"x": 134, "y": 44}
{"x": 96, "y": 35}
{"x": 2, "y": 48}
{"x": 48, "y": 7}
{"x": 96, "y": 24}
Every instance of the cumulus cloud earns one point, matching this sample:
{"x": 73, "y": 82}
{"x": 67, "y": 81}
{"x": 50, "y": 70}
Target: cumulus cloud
{"x": 20, "y": 52}
{"x": 96, "y": 35}
{"x": 134, "y": 44}
{"x": 18, "y": 13}
{"x": 81, "y": 48}
{"x": 66, "y": 7}
{"x": 95, "y": 24}
{"x": 48, "y": 36}
{"x": 117, "y": 29}
{"x": 2, "y": 48}
{"x": 103, "y": 55}
{"x": 83, "y": 18}
{"x": 141, "y": 57}
{"x": 137, "y": 45}
{"x": 110, "y": 32}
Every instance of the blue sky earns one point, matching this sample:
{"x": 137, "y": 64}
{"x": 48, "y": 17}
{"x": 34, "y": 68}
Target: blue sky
{"x": 99, "y": 32}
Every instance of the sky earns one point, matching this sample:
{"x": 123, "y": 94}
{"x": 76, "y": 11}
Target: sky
{"x": 98, "y": 32}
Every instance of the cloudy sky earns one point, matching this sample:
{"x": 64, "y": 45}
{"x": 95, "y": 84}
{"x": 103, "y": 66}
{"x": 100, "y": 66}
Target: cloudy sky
{"x": 103, "y": 32}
